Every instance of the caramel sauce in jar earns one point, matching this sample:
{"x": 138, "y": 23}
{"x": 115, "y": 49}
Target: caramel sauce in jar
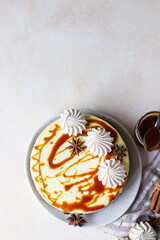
{"x": 144, "y": 124}
{"x": 152, "y": 139}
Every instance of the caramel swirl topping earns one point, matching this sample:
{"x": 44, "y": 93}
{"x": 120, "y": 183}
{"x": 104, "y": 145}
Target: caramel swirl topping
{"x": 70, "y": 182}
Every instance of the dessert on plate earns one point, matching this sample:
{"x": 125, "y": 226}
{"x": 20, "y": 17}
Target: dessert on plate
{"x": 79, "y": 163}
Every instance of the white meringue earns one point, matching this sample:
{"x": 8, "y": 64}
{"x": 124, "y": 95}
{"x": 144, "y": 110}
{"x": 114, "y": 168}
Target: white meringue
{"x": 111, "y": 173}
{"x": 142, "y": 231}
{"x": 99, "y": 142}
{"x": 72, "y": 122}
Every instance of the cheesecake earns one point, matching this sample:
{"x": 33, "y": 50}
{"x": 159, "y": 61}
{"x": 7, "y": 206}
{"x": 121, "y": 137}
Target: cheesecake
{"x": 79, "y": 163}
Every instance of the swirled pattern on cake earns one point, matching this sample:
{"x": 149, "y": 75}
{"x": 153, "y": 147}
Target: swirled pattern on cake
{"x": 70, "y": 182}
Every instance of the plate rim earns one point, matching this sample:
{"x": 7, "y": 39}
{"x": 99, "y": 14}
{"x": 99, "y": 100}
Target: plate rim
{"x": 33, "y": 140}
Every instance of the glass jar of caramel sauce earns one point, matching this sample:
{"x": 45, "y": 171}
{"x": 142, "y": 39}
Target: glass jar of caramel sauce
{"x": 144, "y": 124}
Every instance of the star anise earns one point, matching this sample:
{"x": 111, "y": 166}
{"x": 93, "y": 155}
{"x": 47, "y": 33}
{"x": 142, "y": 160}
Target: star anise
{"x": 154, "y": 222}
{"x": 119, "y": 151}
{"x": 76, "y": 220}
{"x": 75, "y": 146}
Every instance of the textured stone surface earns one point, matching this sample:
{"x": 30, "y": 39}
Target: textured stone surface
{"x": 100, "y": 55}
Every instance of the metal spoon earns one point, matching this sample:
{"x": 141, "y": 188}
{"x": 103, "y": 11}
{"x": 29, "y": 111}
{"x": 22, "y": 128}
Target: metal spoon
{"x": 151, "y": 138}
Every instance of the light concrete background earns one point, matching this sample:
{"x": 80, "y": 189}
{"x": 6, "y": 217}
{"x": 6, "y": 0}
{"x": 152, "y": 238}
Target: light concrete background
{"x": 93, "y": 54}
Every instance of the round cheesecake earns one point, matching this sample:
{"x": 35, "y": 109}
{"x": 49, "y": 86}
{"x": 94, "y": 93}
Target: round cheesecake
{"x": 68, "y": 179}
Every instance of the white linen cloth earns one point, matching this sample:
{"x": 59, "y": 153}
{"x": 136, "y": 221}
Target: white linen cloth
{"x": 140, "y": 206}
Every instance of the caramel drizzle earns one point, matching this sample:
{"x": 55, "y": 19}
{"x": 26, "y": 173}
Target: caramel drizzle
{"x": 91, "y": 190}
{"x": 37, "y": 162}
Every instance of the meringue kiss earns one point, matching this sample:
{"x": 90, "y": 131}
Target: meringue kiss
{"x": 99, "y": 142}
{"x": 72, "y": 122}
{"x": 111, "y": 173}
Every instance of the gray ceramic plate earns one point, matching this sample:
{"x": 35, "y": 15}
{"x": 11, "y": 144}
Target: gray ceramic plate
{"x": 120, "y": 205}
